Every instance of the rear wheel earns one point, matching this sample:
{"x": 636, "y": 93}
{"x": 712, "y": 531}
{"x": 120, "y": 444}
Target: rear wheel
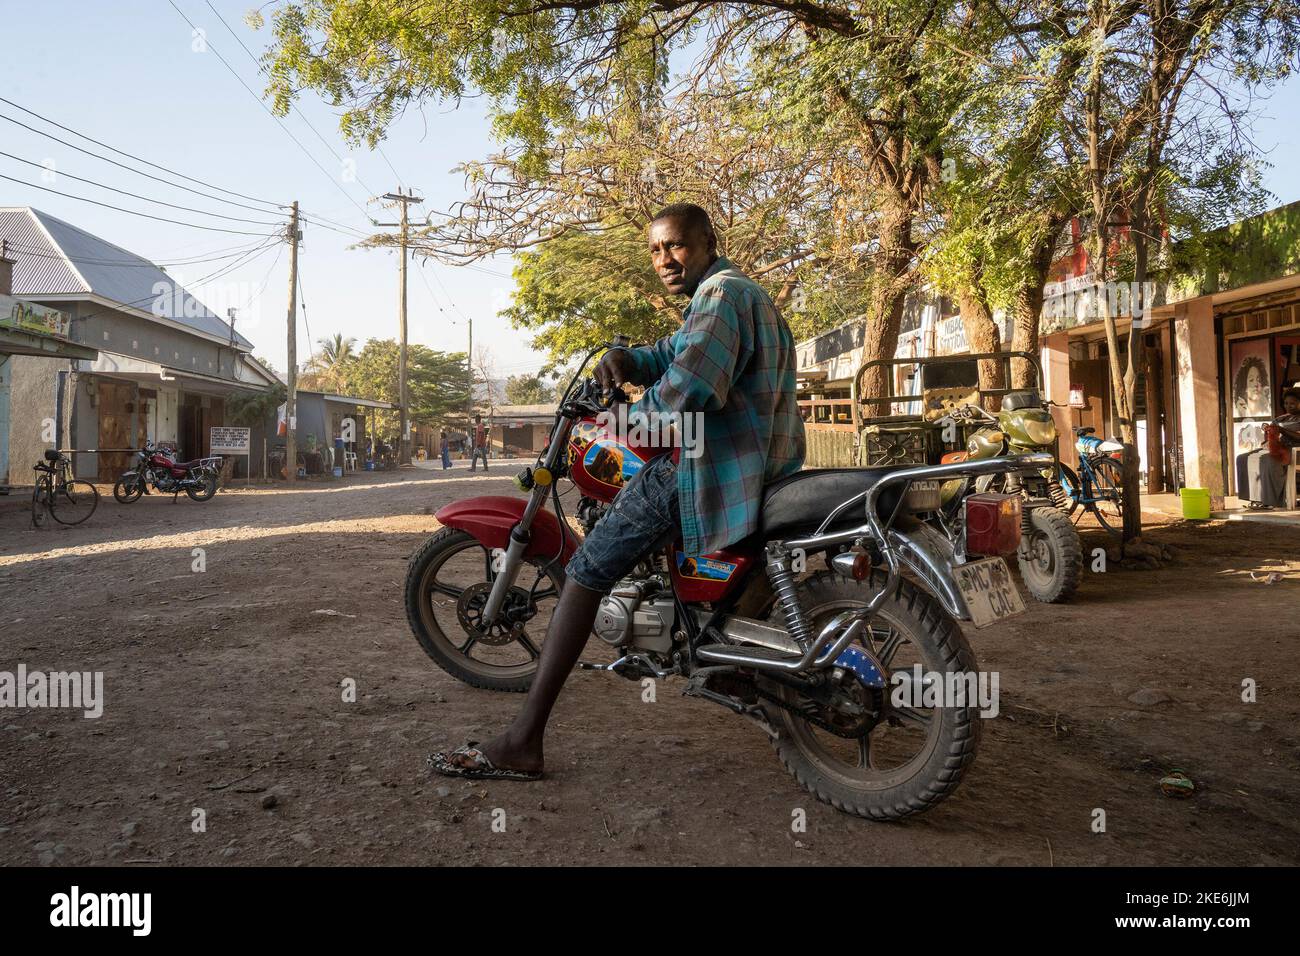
{"x": 1050, "y": 556}
{"x": 856, "y": 748}
{"x": 447, "y": 585}
{"x": 1110, "y": 506}
{"x": 72, "y": 502}
{"x": 206, "y": 489}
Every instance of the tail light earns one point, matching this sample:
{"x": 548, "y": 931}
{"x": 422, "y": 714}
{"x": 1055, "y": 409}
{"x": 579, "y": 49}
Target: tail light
{"x": 992, "y": 524}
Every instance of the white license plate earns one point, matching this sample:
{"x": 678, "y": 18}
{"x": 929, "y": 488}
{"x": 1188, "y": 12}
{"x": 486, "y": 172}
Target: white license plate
{"x": 990, "y": 592}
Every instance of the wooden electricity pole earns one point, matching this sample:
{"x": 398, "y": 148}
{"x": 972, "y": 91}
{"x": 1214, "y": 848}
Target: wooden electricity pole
{"x": 403, "y": 400}
{"x": 291, "y": 400}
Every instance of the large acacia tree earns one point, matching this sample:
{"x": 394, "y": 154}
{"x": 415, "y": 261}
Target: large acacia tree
{"x": 860, "y": 78}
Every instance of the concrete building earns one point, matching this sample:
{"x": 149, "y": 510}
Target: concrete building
{"x": 38, "y": 335}
{"x": 1220, "y": 331}
{"x": 165, "y": 363}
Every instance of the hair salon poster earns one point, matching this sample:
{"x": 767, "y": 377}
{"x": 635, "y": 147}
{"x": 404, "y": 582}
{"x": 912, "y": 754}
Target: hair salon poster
{"x": 1252, "y": 381}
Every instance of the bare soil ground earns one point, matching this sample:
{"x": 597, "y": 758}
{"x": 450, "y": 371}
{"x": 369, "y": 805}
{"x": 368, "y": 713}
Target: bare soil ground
{"x": 223, "y": 691}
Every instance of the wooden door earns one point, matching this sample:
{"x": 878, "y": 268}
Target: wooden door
{"x": 115, "y": 402}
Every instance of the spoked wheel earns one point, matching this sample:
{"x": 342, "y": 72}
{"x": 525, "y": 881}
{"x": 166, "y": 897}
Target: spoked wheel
{"x": 205, "y": 490}
{"x": 74, "y": 501}
{"x": 1110, "y": 508}
{"x": 858, "y": 749}
{"x": 447, "y": 586}
{"x": 127, "y": 490}
{"x": 38, "y": 504}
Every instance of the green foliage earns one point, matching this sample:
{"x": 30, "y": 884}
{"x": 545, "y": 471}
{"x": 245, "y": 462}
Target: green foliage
{"x": 254, "y": 408}
{"x": 436, "y": 381}
{"x": 529, "y": 390}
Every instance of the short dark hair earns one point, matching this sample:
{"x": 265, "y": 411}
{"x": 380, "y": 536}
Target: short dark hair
{"x": 695, "y": 217}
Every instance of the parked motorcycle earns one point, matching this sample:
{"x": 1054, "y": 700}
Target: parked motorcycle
{"x": 1050, "y": 554}
{"x": 809, "y": 627}
{"x": 155, "y": 467}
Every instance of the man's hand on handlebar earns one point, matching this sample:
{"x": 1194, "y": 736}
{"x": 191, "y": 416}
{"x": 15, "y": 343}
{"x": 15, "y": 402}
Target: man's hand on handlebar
{"x": 614, "y": 368}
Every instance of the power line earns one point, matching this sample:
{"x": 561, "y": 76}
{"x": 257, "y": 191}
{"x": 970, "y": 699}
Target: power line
{"x": 133, "y": 212}
{"x": 130, "y": 169}
{"x": 292, "y": 106}
{"x": 269, "y": 113}
{"x": 311, "y": 345}
{"x": 141, "y": 262}
{"x": 82, "y": 179}
{"x": 138, "y": 159}
{"x": 334, "y": 226}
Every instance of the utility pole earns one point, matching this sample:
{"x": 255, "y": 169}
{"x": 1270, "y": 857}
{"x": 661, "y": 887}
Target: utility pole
{"x": 291, "y": 400}
{"x": 404, "y": 442}
{"x": 469, "y": 413}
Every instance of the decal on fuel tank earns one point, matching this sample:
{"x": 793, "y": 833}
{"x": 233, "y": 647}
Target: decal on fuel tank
{"x": 710, "y": 569}
{"x": 611, "y": 463}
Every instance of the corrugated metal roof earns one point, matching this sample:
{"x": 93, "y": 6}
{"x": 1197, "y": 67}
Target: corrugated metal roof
{"x": 53, "y": 257}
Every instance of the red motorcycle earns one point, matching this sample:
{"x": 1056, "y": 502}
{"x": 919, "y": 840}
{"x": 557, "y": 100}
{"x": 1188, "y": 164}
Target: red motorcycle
{"x": 155, "y": 467}
{"x": 833, "y": 662}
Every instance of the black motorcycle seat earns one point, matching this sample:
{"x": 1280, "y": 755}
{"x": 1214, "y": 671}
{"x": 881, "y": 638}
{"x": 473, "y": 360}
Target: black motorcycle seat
{"x": 799, "y": 503}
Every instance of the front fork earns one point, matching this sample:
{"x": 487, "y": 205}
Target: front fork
{"x": 520, "y": 537}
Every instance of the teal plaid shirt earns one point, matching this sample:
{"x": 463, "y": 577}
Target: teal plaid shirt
{"x": 733, "y": 360}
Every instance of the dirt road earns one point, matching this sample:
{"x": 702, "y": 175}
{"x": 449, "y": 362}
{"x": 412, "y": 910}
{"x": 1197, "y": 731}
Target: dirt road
{"x": 223, "y": 703}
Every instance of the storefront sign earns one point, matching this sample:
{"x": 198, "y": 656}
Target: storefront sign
{"x": 1076, "y": 397}
{"x": 228, "y": 440}
{"x": 30, "y": 317}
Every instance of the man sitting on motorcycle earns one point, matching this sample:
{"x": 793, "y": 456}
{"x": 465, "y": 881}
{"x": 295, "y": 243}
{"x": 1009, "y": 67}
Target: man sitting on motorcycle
{"x": 732, "y": 363}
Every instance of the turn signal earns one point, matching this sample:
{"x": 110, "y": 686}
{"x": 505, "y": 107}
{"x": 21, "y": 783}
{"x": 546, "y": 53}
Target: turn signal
{"x": 992, "y": 524}
{"x": 541, "y": 476}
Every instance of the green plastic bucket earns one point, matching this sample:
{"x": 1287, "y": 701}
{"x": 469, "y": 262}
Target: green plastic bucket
{"x": 1196, "y": 503}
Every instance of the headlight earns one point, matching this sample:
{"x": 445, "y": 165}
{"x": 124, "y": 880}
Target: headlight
{"x": 1041, "y": 433}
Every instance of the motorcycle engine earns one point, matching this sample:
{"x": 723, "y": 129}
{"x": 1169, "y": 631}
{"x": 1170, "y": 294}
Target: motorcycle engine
{"x": 639, "y": 611}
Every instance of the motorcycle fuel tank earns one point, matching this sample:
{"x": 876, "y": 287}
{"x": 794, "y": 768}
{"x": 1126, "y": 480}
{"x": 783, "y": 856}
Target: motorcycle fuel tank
{"x": 601, "y": 463}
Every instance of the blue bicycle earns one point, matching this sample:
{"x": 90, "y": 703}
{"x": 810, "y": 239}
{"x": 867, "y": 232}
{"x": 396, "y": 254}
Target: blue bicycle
{"x": 1098, "y": 487}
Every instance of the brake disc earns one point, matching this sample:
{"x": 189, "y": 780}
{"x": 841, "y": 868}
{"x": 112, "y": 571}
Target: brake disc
{"x": 507, "y": 627}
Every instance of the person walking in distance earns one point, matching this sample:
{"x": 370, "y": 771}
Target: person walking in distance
{"x": 446, "y": 450}
{"x": 480, "y": 445}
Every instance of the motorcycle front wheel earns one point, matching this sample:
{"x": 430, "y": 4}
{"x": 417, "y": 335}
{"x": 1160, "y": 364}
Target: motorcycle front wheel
{"x": 1050, "y": 556}
{"x": 447, "y": 585}
{"x": 128, "y": 489}
{"x": 860, "y": 751}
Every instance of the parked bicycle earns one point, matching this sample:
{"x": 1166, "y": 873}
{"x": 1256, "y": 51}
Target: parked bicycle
{"x": 1098, "y": 486}
{"x": 68, "y": 500}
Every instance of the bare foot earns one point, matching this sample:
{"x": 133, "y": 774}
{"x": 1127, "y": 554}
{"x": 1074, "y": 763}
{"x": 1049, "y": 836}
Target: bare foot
{"x": 506, "y": 753}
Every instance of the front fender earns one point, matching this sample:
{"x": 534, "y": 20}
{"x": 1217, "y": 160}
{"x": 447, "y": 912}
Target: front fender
{"x": 489, "y": 519}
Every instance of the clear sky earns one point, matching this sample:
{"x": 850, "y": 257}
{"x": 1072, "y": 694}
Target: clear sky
{"x": 128, "y": 73}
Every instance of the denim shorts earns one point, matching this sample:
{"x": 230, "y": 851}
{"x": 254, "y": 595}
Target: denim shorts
{"x": 644, "y": 517}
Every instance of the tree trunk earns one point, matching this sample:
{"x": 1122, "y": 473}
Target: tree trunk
{"x": 885, "y": 307}
{"x": 1027, "y": 309}
{"x": 982, "y": 336}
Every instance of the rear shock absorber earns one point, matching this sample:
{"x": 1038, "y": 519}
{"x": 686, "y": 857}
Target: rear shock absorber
{"x": 781, "y": 575}
{"x": 1059, "y": 498}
